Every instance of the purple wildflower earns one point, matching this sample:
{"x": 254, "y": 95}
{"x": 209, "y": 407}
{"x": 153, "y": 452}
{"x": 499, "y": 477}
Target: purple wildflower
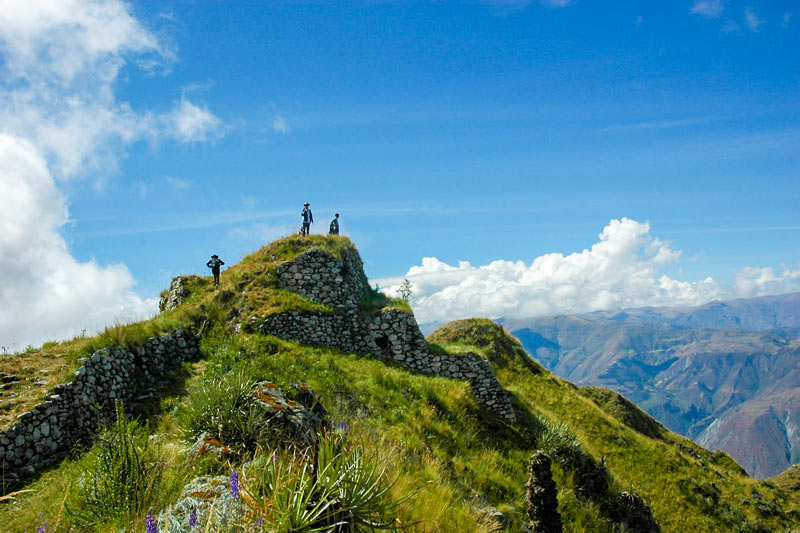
{"x": 235, "y": 485}
{"x": 150, "y": 525}
{"x": 260, "y": 522}
{"x": 341, "y": 427}
{"x": 192, "y": 519}
{"x": 42, "y": 528}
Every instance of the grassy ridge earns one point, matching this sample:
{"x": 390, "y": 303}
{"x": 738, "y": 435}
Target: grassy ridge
{"x": 451, "y": 463}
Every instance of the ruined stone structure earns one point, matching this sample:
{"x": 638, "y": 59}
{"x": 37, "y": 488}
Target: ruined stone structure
{"x": 73, "y": 410}
{"x": 341, "y": 284}
{"x": 390, "y": 334}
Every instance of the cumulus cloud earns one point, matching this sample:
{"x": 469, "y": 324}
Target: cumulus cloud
{"x": 47, "y": 293}
{"x": 280, "y": 125}
{"x": 623, "y": 269}
{"x": 59, "y": 63}
{"x": 708, "y": 8}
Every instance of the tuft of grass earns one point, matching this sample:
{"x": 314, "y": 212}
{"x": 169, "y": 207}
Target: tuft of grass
{"x": 223, "y": 407}
{"x": 123, "y": 477}
{"x": 335, "y": 486}
{"x": 377, "y": 302}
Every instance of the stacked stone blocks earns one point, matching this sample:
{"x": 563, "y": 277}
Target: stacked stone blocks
{"x": 73, "y": 410}
{"x": 390, "y": 334}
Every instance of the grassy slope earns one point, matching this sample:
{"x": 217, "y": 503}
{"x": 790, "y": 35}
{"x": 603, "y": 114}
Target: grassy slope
{"x": 688, "y": 487}
{"x": 438, "y": 442}
{"x": 246, "y": 289}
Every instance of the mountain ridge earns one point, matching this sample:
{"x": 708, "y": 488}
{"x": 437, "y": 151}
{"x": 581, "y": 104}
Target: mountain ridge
{"x": 690, "y": 369}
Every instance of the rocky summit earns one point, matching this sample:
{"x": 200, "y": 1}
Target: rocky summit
{"x": 294, "y": 397}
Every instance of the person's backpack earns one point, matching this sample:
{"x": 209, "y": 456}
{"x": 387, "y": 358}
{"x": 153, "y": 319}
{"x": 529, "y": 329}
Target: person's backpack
{"x": 331, "y": 229}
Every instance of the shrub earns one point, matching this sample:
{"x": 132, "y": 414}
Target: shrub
{"x": 332, "y": 487}
{"x": 123, "y": 477}
{"x": 223, "y": 407}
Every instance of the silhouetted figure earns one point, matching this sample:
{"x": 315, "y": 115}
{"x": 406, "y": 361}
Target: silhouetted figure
{"x": 334, "y": 228}
{"x": 214, "y": 263}
{"x": 308, "y": 218}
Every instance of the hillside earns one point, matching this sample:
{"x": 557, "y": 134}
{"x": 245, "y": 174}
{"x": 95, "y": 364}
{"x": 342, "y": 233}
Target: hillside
{"x": 737, "y": 390}
{"x": 296, "y": 398}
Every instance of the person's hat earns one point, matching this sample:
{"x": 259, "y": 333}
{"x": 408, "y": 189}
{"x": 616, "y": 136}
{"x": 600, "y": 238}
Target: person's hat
{"x": 306, "y": 203}
{"x": 337, "y": 214}
{"x": 214, "y": 255}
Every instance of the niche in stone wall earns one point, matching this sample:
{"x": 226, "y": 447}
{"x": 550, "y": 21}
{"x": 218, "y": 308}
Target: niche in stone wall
{"x": 383, "y": 345}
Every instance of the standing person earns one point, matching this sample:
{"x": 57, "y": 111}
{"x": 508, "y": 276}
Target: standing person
{"x": 214, "y": 263}
{"x": 334, "y": 228}
{"x": 308, "y": 218}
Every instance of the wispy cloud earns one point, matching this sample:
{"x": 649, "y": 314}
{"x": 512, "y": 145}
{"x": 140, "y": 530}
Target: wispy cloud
{"x": 191, "y": 123}
{"x": 280, "y": 125}
{"x": 752, "y": 20}
{"x": 708, "y": 8}
{"x": 261, "y": 233}
{"x": 655, "y": 124}
{"x": 786, "y": 18}
{"x": 518, "y": 5}
{"x": 178, "y": 183}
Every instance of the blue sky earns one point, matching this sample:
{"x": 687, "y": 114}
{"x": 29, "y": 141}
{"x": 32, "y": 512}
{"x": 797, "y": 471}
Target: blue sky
{"x": 484, "y": 132}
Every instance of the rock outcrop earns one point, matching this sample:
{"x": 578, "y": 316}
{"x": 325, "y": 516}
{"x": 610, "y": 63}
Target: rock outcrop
{"x": 174, "y": 296}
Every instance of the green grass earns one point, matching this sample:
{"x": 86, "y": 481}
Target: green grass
{"x": 669, "y": 472}
{"x": 441, "y": 458}
{"x": 290, "y": 247}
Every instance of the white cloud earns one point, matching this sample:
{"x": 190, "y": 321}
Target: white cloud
{"x": 786, "y": 18}
{"x": 59, "y": 63}
{"x": 752, "y": 20}
{"x": 623, "y": 269}
{"x": 280, "y": 125}
{"x": 708, "y": 8}
{"x": 755, "y": 281}
{"x": 193, "y": 123}
{"x": 47, "y": 294}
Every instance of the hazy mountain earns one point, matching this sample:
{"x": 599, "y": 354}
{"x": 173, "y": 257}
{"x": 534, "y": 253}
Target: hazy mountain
{"x": 726, "y": 374}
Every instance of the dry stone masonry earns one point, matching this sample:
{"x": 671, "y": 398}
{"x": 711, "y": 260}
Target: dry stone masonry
{"x": 73, "y": 410}
{"x": 391, "y": 334}
{"x": 340, "y": 284}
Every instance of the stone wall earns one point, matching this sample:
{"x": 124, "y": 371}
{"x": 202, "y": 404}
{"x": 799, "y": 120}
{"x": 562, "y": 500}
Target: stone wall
{"x": 323, "y": 278}
{"x": 394, "y": 335}
{"x": 73, "y": 410}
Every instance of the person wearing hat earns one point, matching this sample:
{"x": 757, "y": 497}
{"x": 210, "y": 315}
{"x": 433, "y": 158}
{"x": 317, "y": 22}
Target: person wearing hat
{"x": 334, "y": 227}
{"x": 308, "y": 218}
{"x": 214, "y": 265}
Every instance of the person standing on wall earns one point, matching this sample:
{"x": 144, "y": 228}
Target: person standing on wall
{"x": 308, "y": 219}
{"x": 334, "y": 227}
{"x": 214, "y": 263}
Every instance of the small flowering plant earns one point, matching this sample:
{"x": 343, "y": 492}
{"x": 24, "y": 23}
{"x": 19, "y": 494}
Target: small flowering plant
{"x": 235, "y": 485}
{"x": 150, "y": 525}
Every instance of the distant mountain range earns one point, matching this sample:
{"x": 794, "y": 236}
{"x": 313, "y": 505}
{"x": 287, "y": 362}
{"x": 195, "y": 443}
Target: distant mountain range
{"x": 726, "y": 374}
